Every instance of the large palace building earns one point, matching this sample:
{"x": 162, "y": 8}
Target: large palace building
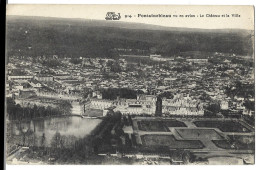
{"x": 143, "y": 104}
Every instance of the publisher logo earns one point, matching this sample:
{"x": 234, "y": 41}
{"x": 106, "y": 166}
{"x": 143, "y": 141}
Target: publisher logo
{"x": 113, "y": 16}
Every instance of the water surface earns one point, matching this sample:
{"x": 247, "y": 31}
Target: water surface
{"x": 41, "y": 132}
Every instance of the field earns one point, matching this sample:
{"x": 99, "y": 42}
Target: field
{"x": 242, "y": 139}
{"x": 225, "y": 144}
{"x": 187, "y": 144}
{"x": 199, "y": 134}
{"x": 173, "y": 123}
{"x": 158, "y": 126}
{"x": 224, "y": 126}
{"x": 154, "y": 126}
{"x": 170, "y": 141}
{"x": 155, "y": 140}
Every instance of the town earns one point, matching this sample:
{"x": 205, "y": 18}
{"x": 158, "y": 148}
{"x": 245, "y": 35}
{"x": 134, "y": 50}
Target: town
{"x": 96, "y": 92}
{"x": 166, "y": 86}
{"x": 174, "y": 90}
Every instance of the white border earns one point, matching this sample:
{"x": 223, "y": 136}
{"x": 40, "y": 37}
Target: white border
{"x": 176, "y": 2}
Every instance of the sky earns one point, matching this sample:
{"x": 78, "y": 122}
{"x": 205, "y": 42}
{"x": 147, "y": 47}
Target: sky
{"x": 98, "y": 12}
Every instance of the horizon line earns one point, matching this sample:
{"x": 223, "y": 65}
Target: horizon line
{"x": 129, "y": 22}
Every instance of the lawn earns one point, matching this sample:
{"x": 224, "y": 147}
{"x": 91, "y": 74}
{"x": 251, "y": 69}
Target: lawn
{"x": 187, "y": 144}
{"x": 242, "y": 138}
{"x": 170, "y": 141}
{"x": 173, "y": 123}
{"x": 157, "y": 140}
{"x": 225, "y": 144}
{"x": 159, "y": 125}
{"x": 154, "y": 126}
{"x": 224, "y": 126}
{"x": 199, "y": 134}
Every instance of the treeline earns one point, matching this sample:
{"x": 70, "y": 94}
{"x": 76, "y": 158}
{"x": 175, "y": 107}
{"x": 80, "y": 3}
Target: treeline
{"x": 51, "y": 63}
{"x": 246, "y": 91}
{"x": 16, "y": 112}
{"x": 180, "y": 69}
{"x": 141, "y": 60}
{"x": 76, "y": 61}
{"x": 167, "y": 95}
{"x": 240, "y": 90}
{"x": 113, "y": 93}
{"x": 250, "y": 105}
{"x": 114, "y": 66}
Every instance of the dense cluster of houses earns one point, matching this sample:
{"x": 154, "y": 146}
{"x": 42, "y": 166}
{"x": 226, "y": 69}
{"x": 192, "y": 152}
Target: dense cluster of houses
{"x": 73, "y": 80}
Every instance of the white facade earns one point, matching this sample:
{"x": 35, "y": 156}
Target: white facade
{"x": 182, "y": 106}
{"x": 144, "y": 104}
{"x": 35, "y": 84}
{"x": 18, "y": 87}
{"x": 197, "y": 60}
{"x": 20, "y": 77}
{"x": 101, "y": 104}
{"x": 224, "y": 105}
{"x": 169, "y": 81}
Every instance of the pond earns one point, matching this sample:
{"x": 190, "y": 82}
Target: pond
{"x": 43, "y": 132}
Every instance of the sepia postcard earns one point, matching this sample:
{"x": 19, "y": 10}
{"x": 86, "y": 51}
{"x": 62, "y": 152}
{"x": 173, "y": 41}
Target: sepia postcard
{"x": 129, "y": 85}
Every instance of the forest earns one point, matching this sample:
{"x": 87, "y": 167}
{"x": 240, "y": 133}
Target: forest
{"x": 17, "y": 112}
{"x": 113, "y": 93}
{"x": 74, "y": 38}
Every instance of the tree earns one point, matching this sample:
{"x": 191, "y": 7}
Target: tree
{"x": 11, "y": 108}
{"x": 188, "y": 157}
{"x": 205, "y": 97}
{"x": 160, "y": 83}
{"x": 56, "y": 141}
{"x": 130, "y": 67}
{"x": 65, "y": 107}
{"x": 48, "y": 111}
{"x": 30, "y": 137}
{"x": 53, "y": 63}
{"x": 43, "y": 140}
{"x": 212, "y": 109}
{"x": 35, "y": 110}
{"x": 109, "y": 63}
{"x": 75, "y": 61}
{"x": 250, "y": 105}
{"x": 166, "y": 94}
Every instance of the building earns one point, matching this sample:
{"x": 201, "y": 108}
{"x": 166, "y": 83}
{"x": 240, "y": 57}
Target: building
{"x": 156, "y": 57}
{"x": 61, "y": 76}
{"x": 35, "y": 83}
{"x": 144, "y": 104}
{"x": 101, "y": 104}
{"x": 44, "y": 78}
{"x": 182, "y": 106}
{"x": 198, "y": 61}
{"x": 26, "y": 94}
{"x": 169, "y": 81}
{"x": 224, "y": 105}
{"x": 24, "y": 77}
{"x": 7, "y": 87}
